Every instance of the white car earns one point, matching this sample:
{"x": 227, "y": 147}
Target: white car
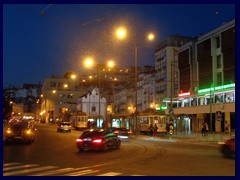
{"x": 64, "y": 126}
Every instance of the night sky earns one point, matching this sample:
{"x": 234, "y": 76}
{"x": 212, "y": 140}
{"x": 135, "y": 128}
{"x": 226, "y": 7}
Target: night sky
{"x": 40, "y": 40}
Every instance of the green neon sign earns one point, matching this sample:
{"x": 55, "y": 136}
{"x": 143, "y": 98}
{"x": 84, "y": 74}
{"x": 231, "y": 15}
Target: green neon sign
{"x": 217, "y": 88}
{"x": 162, "y": 107}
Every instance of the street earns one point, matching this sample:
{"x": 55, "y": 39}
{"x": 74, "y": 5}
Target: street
{"x": 55, "y": 154}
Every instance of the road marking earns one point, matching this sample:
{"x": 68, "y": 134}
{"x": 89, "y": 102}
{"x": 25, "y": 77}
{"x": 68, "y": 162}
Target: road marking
{"x": 10, "y": 164}
{"x": 54, "y": 172}
{"x": 13, "y": 169}
{"x": 137, "y": 175}
{"x": 110, "y": 174}
{"x": 20, "y": 167}
{"x": 28, "y": 170}
{"x": 88, "y": 171}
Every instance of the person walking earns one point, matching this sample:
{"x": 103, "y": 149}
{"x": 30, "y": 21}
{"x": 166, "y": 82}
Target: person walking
{"x": 203, "y": 130}
{"x": 155, "y": 128}
{"x": 151, "y": 130}
{"x": 206, "y": 128}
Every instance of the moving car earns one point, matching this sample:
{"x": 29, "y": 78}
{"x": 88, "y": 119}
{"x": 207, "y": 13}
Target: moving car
{"x": 122, "y": 133}
{"x": 98, "y": 139}
{"x": 64, "y": 126}
{"x": 20, "y": 130}
{"x": 228, "y": 148}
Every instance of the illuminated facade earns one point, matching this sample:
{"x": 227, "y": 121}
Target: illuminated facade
{"x": 59, "y": 96}
{"x": 207, "y": 81}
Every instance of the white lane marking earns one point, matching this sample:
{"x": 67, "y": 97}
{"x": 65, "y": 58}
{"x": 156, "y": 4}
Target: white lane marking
{"x": 137, "y": 175}
{"x": 29, "y": 170}
{"x": 19, "y": 167}
{"x": 110, "y": 174}
{"x": 10, "y": 164}
{"x": 79, "y": 173}
{"x": 54, "y": 172}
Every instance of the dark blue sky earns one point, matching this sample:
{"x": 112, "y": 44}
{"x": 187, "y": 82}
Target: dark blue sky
{"x": 35, "y": 45}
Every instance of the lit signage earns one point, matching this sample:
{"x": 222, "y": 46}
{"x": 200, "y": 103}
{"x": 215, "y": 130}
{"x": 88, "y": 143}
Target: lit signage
{"x": 227, "y": 86}
{"x": 184, "y": 94}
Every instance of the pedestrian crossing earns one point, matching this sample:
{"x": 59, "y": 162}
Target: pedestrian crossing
{"x": 20, "y": 169}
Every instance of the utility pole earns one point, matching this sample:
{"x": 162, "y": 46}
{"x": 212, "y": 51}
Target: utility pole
{"x": 136, "y": 79}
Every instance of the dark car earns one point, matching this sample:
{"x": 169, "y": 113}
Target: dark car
{"x": 64, "y": 127}
{"x": 20, "y": 131}
{"x": 228, "y": 148}
{"x": 98, "y": 139}
{"x": 122, "y": 133}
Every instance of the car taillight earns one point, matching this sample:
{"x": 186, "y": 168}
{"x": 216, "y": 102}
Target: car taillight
{"x": 79, "y": 140}
{"x": 97, "y": 141}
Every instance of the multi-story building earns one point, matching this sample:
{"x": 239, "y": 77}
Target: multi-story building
{"x": 24, "y": 99}
{"x": 59, "y": 97}
{"x": 146, "y": 91}
{"x": 166, "y": 65}
{"x": 207, "y": 81}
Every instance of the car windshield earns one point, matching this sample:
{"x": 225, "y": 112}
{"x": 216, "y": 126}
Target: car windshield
{"x": 19, "y": 125}
{"x": 91, "y": 134}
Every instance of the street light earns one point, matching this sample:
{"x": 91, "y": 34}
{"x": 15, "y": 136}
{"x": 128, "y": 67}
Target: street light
{"x": 89, "y": 63}
{"x": 121, "y": 33}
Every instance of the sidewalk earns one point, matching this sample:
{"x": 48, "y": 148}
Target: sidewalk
{"x": 210, "y": 139}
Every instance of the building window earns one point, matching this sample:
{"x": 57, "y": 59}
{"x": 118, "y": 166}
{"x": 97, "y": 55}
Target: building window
{"x": 93, "y": 109}
{"x": 219, "y": 79}
{"x": 218, "y": 42}
{"x": 53, "y": 84}
{"x": 219, "y": 62}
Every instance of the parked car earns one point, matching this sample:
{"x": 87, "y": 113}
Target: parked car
{"x": 20, "y": 130}
{"x": 64, "y": 127}
{"x": 122, "y": 133}
{"x": 228, "y": 148}
{"x": 98, "y": 139}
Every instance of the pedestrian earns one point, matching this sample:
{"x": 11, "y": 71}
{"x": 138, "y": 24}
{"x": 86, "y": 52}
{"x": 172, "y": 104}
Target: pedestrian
{"x": 151, "y": 130}
{"x": 226, "y": 127}
{"x": 155, "y": 128}
{"x": 88, "y": 124}
{"x": 206, "y": 128}
{"x": 167, "y": 128}
{"x": 203, "y": 130}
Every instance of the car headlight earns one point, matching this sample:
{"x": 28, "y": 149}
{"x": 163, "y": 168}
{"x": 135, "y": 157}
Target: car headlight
{"x": 28, "y": 131}
{"x": 9, "y": 131}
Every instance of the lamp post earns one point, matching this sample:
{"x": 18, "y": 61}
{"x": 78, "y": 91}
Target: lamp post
{"x": 121, "y": 34}
{"x": 89, "y": 62}
{"x": 211, "y": 88}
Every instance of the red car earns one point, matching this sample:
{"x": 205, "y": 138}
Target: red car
{"x": 228, "y": 148}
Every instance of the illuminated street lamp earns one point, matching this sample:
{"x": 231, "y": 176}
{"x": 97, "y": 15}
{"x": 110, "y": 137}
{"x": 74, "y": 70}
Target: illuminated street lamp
{"x": 89, "y": 63}
{"x": 121, "y": 33}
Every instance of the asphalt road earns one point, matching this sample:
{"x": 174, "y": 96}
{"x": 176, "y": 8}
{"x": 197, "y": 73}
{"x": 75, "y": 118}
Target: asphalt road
{"x": 55, "y": 154}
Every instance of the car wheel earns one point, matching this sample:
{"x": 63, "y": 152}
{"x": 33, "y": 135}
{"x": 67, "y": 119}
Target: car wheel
{"x": 226, "y": 151}
{"x": 7, "y": 141}
{"x": 118, "y": 145}
{"x": 29, "y": 142}
{"x": 105, "y": 147}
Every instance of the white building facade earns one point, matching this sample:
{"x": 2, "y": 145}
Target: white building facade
{"x": 94, "y": 106}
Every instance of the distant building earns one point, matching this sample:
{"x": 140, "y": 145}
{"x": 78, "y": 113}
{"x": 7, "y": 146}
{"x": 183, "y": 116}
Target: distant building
{"x": 166, "y": 65}
{"x": 59, "y": 97}
{"x": 94, "y": 105}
